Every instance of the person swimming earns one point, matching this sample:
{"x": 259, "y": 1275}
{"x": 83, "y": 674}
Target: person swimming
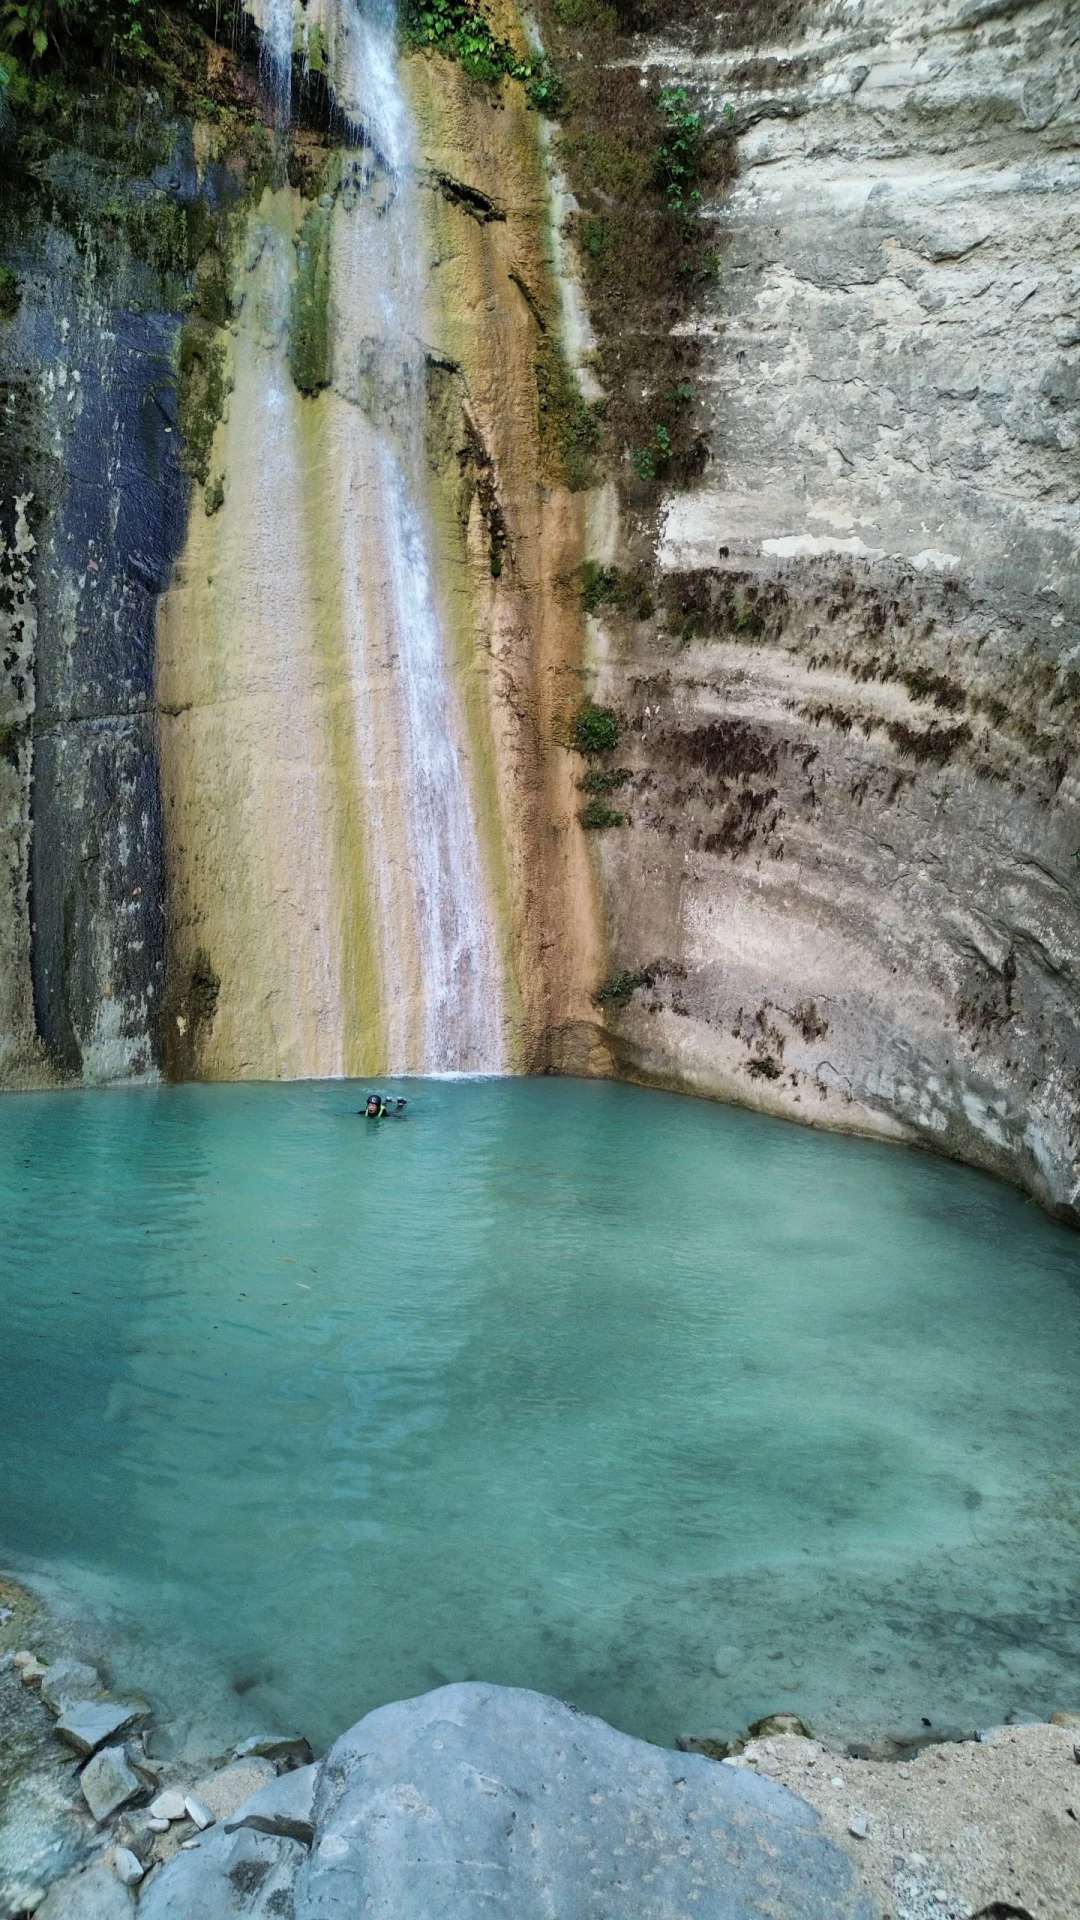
{"x": 377, "y": 1108}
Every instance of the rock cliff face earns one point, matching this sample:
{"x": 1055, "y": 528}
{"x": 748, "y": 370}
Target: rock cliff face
{"x": 843, "y": 649}
{"x": 848, "y": 890}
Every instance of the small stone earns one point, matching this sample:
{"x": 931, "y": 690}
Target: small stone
{"x": 189, "y": 1846}
{"x": 859, "y": 1825}
{"x": 128, "y": 1867}
{"x": 32, "y": 1671}
{"x": 68, "y": 1681}
{"x": 87, "y": 1724}
{"x": 198, "y": 1811}
{"x": 1065, "y": 1719}
{"x": 157, "y": 1825}
{"x": 108, "y": 1783}
{"x": 23, "y": 1658}
{"x": 837, "y": 1780}
{"x": 169, "y": 1805}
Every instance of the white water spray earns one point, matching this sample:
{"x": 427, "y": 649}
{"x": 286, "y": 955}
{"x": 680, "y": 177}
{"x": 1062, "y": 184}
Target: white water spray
{"x": 440, "y": 901}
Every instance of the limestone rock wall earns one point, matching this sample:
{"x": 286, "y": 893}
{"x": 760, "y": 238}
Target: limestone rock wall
{"x": 851, "y": 876}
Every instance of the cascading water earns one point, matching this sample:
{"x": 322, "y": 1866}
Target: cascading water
{"x": 380, "y": 367}
{"x": 340, "y": 864}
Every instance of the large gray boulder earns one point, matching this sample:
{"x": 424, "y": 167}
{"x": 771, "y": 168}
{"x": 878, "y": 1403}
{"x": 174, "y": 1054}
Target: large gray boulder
{"x": 489, "y": 1803}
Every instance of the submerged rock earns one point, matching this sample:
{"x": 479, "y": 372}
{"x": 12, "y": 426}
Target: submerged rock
{"x": 289, "y": 1749}
{"x": 488, "y": 1798}
{"x": 68, "y": 1681}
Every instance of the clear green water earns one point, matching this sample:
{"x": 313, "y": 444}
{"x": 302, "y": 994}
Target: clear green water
{"x": 673, "y": 1411}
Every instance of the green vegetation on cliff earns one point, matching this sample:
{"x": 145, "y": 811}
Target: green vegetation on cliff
{"x": 463, "y": 32}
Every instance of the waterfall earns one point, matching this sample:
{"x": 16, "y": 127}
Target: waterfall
{"x": 432, "y": 928}
{"x": 380, "y": 367}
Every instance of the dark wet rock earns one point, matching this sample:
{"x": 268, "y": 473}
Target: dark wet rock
{"x": 108, "y": 1783}
{"x": 67, "y": 1682}
{"x": 87, "y": 1724}
{"x": 711, "y": 1745}
{"x": 773, "y": 1723}
{"x": 286, "y": 1807}
{"x": 95, "y": 1894}
{"x": 288, "y": 1749}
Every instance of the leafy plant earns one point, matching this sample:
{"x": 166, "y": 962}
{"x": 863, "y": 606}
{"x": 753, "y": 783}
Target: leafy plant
{"x": 647, "y": 461}
{"x": 603, "y": 780}
{"x": 678, "y": 157}
{"x": 619, "y": 989}
{"x": 595, "y": 729}
{"x": 596, "y": 815}
{"x": 601, "y": 586}
{"x": 461, "y": 31}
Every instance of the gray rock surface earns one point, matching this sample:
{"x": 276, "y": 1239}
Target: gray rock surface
{"x": 87, "y": 1724}
{"x": 108, "y": 1783}
{"x": 286, "y": 1806}
{"x": 94, "y": 1895}
{"x": 227, "y": 1873}
{"x": 68, "y": 1681}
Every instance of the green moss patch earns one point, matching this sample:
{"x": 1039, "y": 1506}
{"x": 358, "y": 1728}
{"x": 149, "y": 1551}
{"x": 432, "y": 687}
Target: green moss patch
{"x": 571, "y": 427}
{"x": 309, "y": 322}
{"x": 204, "y": 386}
{"x": 594, "y": 729}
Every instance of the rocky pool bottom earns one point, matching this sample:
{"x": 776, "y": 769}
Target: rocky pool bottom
{"x": 480, "y": 1800}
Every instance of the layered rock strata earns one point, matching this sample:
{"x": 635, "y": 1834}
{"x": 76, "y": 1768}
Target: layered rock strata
{"x": 848, "y": 888}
